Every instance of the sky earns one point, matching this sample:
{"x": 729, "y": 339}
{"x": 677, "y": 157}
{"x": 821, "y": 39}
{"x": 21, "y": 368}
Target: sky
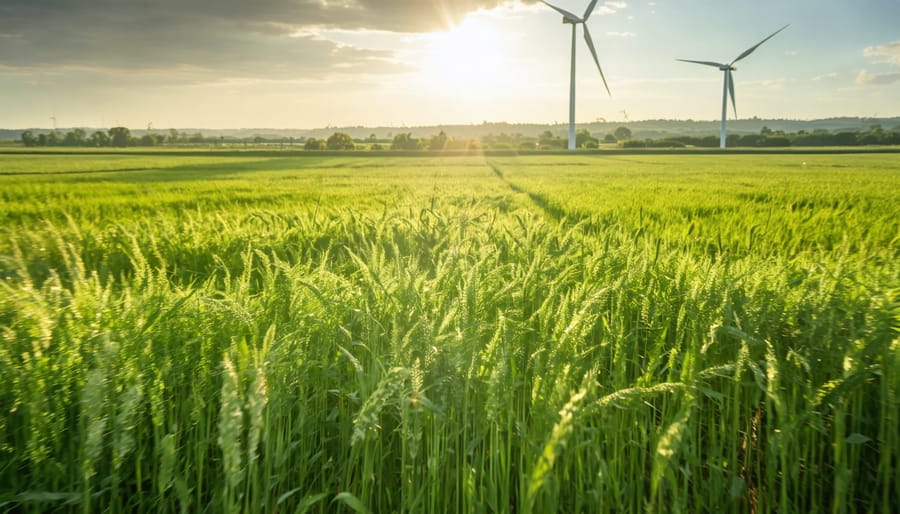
{"x": 332, "y": 63}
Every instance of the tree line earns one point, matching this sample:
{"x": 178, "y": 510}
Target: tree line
{"x": 119, "y": 137}
{"x": 768, "y": 138}
{"x": 402, "y": 141}
{"x": 122, "y": 137}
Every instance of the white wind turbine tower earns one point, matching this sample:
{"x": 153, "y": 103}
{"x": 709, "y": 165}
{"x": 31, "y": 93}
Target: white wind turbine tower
{"x": 574, "y": 20}
{"x": 729, "y": 81}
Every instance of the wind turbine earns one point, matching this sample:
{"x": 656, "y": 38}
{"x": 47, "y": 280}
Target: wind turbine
{"x": 729, "y": 81}
{"x": 574, "y": 21}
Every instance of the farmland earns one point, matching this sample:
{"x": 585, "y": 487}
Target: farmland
{"x": 545, "y": 333}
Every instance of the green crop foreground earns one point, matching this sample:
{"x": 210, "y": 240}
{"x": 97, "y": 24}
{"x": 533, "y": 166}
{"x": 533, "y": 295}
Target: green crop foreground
{"x": 463, "y": 334}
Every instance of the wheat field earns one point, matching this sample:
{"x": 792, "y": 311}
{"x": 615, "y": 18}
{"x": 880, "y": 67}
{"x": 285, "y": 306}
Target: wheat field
{"x": 476, "y": 334}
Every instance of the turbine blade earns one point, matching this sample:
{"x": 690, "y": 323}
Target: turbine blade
{"x": 566, "y": 14}
{"x": 590, "y": 44}
{"x": 753, "y": 48}
{"x": 590, "y": 10}
{"x": 731, "y": 90}
{"x": 705, "y": 63}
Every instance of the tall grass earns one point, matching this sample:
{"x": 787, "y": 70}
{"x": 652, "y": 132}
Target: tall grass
{"x": 440, "y": 353}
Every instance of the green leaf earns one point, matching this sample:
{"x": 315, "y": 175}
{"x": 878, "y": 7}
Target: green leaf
{"x": 737, "y": 488}
{"x": 287, "y": 495}
{"x": 351, "y": 501}
{"x": 311, "y": 500}
{"x": 857, "y": 439}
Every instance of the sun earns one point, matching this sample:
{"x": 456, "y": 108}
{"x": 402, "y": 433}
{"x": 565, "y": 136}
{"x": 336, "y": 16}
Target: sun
{"x": 469, "y": 60}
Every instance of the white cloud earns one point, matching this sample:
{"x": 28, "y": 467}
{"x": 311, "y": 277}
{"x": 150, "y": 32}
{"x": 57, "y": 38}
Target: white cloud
{"x": 877, "y": 79}
{"x": 776, "y": 84}
{"x": 826, "y": 76}
{"x": 621, "y": 34}
{"x": 792, "y": 53}
{"x": 888, "y": 53}
{"x": 616, "y": 5}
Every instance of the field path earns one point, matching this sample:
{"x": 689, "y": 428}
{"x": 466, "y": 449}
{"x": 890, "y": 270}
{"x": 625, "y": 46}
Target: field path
{"x": 543, "y": 203}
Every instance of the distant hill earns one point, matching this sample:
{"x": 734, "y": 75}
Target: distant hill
{"x": 643, "y": 129}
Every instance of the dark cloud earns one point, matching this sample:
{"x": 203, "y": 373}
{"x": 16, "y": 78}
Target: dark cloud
{"x": 237, "y": 38}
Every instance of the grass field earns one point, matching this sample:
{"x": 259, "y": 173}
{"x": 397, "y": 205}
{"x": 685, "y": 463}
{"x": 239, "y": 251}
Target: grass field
{"x": 617, "y": 333}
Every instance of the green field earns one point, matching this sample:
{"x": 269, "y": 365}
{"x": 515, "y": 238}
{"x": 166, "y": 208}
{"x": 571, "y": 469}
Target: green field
{"x": 532, "y": 334}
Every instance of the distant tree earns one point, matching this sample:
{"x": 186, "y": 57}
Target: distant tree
{"x": 76, "y": 137}
{"x": 752, "y": 140}
{"x": 845, "y": 139}
{"x": 119, "y": 136}
{"x": 173, "y": 137}
{"x": 340, "y": 141}
{"x": 42, "y": 140}
{"x": 314, "y": 144}
{"x": 548, "y": 140}
{"x": 404, "y": 141}
{"x": 633, "y": 143}
{"x": 708, "y": 142}
{"x": 874, "y": 136}
{"x": 776, "y": 141}
{"x": 148, "y": 140}
{"x": 99, "y": 138}
{"x": 610, "y": 139}
{"x": 583, "y": 137}
{"x": 622, "y": 133}
{"x": 438, "y": 142}
{"x": 766, "y": 131}
{"x": 53, "y": 139}
{"x": 28, "y": 139}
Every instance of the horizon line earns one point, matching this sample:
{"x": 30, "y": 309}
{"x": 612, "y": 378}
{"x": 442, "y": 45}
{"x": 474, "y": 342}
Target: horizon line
{"x": 472, "y": 125}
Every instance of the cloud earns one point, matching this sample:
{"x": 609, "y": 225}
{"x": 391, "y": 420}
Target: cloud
{"x": 884, "y": 54}
{"x": 877, "y": 79}
{"x": 268, "y": 39}
{"x": 392, "y": 15}
{"x": 776, "y": 84}
{"x": 826, "y": 76}
{"x": 888, "y": 54}
{"x": 621, "y": 34}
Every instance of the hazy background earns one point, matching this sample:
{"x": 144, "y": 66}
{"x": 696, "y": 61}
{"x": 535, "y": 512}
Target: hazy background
{"x": 320, "y": 63}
